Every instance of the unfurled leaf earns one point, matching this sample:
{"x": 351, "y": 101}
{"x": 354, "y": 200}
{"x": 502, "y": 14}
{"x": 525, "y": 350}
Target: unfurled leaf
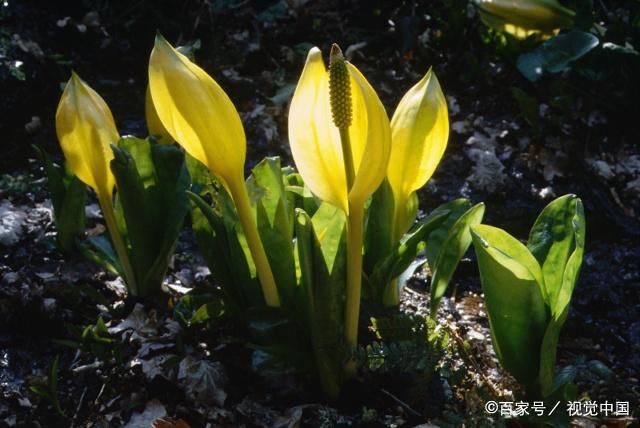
{"x": 68, "y": 196}
{"x": 556, "y": 54}
{"x": 322, "y": 256}
{"x": 453, "y": 248}
{"x": 401, "y": 257}
{"x": 513, "y": 286}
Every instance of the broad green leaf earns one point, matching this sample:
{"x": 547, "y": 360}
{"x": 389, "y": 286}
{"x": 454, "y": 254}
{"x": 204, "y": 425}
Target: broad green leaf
{"x": 378, "y": 239}
{"x": 556, "y": 54}
{"x": 512, "y": 282}
{"x": 454, "y": 209}
{"x": 68, "y": 195}
{"x": 451, "y": 251}
{"x": 197, "y": 308}
{"x": 98, "y": 249}
{"x": 300, "y": 195}
{"x": 140, "y": 151}
{"x": 218, "y": 235}
{"x": 557, "y": 241}
{"x": 556, "y": 236}
{"x": 137, "y": 211}
{"x": 322, "y": 255}
{"x": 266, "y": 186}
{"x": 400, "y": 258}
{"x": 151, "y": 205}
{"x": 172, "y": 182}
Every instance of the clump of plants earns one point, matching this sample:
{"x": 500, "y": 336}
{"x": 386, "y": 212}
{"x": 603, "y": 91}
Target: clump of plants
{"x": 295, "y": 251}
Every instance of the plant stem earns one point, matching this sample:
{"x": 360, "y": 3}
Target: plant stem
{"x": 354, "y": 272}
{"x": 391, "y": 295}
{"x": 265, "y": 275}
{"x": 121, "y": 249}
{"x": 347, "y": 156}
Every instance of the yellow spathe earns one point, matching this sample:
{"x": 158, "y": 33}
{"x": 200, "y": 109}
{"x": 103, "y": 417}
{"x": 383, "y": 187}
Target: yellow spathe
{"x": 86, "y": 130}
{"x": 196, "y": 112}
{"x": 419, "y": 135}
{"x": 315, "y": 140}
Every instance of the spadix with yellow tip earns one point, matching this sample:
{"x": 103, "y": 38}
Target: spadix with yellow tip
{"x": 340, "y": 139}
{"x": 315, "y": 139}
{"x": 199, "y": 115}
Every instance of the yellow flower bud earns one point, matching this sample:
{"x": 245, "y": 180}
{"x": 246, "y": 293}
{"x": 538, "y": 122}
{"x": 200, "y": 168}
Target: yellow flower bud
{"x": 419, "y": 134}
{"x": 86, "y": 130}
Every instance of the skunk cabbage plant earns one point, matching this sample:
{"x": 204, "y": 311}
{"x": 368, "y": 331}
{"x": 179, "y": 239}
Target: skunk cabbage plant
{"x": 199, "y": 115}
{"x": 340, "y": 140}
{"x": 419, "y": 134}
{"x": 145, "y": 217}
{"x": 86, "y": 130}
{"x": 528, "y": 290}
{"x": 523, "y": 18}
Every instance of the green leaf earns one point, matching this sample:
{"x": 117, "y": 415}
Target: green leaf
{"x": 556, "y": 54}
{"x": 274, "y": 216}
{"x": 198, "y": 308}
{"x": 322, "y": 256}
{"x": 171, "y": 185}
{"x": 436, "y": 239}
{"x": 99, "y": 250}
{"x": 451, "y": 251}
{"x": 137, "y": 210}
{"x": 401, "y": 257}
{"x": 378, "y": 235}
{"x": 151, "y": 183}
{"x": 218, "y": 235}
{"x": 512, "y": 282}
{"x": 68, "y": 195}
{"x": 557, "y": 242}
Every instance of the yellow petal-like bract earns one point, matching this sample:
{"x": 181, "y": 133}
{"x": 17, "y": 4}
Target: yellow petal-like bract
{"x": 419, "y": 134}
{"x": 196, "y": 112}
{"x": 522, "y": 18}
{"x": 154, "y": 124}
{"x": 86, "y": 130}
{"x": 315, "y": 140}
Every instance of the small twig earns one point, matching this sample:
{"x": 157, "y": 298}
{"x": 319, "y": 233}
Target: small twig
{"x": 400, "y": 402}
{"x": 95, "y": 365}
{"x": 75, "y": 415}
{"x": 95, "y": 402}
{"x": 472, "y": 360}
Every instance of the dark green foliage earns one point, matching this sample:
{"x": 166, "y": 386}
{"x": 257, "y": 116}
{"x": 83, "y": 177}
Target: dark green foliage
{"x": 198, "y": 308}
{"x": 93, "y": 339}
{"x": 406, "y": 344}
{"x": 443, "y": 236}
{"x": 322, "y": 253}
{"x": 528, "y": 291}
{"x": 68, "y": 196}
{"x": 556, "y": 54}
{"x": 150, "y": 206}
{"x": 50, "y": 391}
